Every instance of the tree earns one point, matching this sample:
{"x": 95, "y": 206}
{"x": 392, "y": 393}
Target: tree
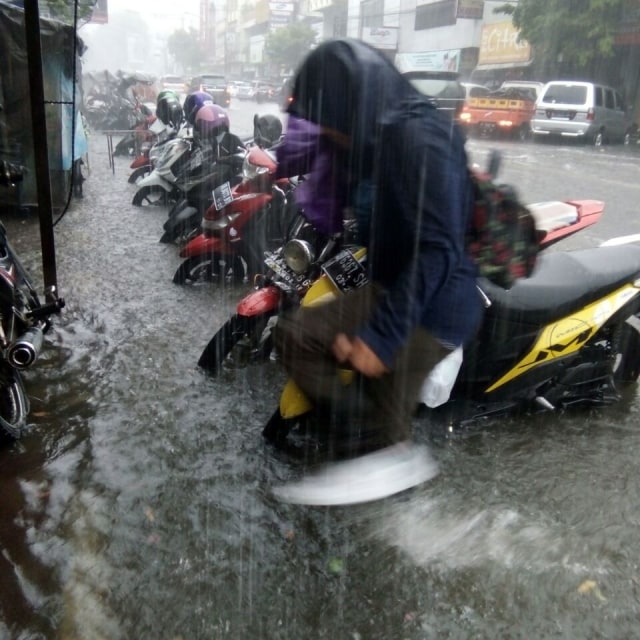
{"x": 184, "y": 47}
{"x": 287, "y": 46}
{"x": 64, "y": 10}
{"x": 572, "y": 35}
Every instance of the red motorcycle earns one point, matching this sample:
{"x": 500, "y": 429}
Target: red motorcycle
{"x": 243, "y": 223}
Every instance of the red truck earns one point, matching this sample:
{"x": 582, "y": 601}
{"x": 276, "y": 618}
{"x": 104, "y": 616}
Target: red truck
{"x": 505, "y": 112}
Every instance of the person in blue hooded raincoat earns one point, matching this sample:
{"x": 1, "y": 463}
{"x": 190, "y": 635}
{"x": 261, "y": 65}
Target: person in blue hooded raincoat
{"x": 403, "y": 165}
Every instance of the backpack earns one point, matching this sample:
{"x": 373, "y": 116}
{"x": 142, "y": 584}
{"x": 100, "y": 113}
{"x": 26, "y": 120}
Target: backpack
{"x": 501, "y": 237}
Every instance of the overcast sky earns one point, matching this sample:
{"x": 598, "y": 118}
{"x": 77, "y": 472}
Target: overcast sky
{"x": 161, "y": 7}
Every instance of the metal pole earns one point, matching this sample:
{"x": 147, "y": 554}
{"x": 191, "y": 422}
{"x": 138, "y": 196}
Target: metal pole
{"x": 41, "y": 151}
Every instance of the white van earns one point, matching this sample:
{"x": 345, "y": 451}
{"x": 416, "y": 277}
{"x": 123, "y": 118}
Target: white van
{"x": 584, "y": 110}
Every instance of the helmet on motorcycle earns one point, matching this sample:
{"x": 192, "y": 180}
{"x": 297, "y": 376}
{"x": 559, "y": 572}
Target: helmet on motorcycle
{"x": 166, "y": 93}
{"x": 267, "y": 130}
{"x": 169, "y": 110}
{"x": 192, "y": 104}
{"x": 211, "y": 120}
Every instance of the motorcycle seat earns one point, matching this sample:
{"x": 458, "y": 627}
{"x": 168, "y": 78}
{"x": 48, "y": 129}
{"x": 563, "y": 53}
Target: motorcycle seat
{"x": 565, "y": 281}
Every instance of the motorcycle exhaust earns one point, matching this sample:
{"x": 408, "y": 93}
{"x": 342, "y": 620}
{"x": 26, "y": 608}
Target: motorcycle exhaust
{"x": 26, "y": 349}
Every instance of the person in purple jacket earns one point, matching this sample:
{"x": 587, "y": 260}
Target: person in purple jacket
{"x": 402, "y": 165}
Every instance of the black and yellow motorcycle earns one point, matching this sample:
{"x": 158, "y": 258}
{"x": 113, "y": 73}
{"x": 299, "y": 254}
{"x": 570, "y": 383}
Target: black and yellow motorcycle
{"x": 567, "y": 336}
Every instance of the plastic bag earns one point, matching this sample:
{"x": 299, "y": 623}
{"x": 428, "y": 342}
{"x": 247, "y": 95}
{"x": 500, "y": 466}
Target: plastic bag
{"x": 437, "y": 387}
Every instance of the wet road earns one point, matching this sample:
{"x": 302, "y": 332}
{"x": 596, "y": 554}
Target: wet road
{"x": 137, "y": 505}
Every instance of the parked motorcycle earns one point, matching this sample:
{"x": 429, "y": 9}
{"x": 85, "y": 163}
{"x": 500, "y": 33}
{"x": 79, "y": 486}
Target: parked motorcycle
{"x": 242, "y": 223}
{"x": 158, "y": 188}
{"x": 172, "y": 119}
{"x": 23, "y": 323}
{"x": 185, "y": 218}
{"x": 150, "y": 150}
{"x": 190, "y": 159}
{"x": 291, "y": 270}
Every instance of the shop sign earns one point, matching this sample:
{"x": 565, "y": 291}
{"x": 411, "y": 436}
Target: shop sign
{"x": 499, "y": 44}
{"x": 285, "y": 7}
{"x": 444, "y": 60}
{"x": 473, "y": 9}
{"x": 381, "y": 37}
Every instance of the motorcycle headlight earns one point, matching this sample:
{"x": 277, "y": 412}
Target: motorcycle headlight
{"x": 298, "y": 255}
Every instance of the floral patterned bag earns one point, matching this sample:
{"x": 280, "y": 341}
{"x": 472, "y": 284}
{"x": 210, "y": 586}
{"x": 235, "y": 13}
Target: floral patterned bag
{"x": 502, "y": 236}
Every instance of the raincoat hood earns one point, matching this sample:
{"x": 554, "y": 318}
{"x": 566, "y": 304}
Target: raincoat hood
{"x": 348, "y": 86}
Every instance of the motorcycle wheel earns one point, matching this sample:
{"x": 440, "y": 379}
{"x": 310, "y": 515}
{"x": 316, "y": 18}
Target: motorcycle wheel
{"x": 14, "y": 404}
{"x": 182, "y": 224}
{"x": 150, "y": 196}
{"x": 238, "y": 331}
{"x": 208, "y": 268}
{"x": 138, "y": 173}
{"x": 626, "y": 366}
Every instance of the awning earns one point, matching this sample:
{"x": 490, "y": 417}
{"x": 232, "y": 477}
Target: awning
{"x": 503, "y": 65}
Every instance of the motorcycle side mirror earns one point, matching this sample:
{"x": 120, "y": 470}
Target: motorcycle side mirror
{"x": 493, "y": 166}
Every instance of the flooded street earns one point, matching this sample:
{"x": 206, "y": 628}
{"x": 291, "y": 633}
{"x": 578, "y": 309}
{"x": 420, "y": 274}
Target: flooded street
{"x": 138, "y": 503}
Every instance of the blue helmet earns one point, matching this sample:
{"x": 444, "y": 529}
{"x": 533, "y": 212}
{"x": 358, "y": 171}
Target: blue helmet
{"x": 192, "y": 104}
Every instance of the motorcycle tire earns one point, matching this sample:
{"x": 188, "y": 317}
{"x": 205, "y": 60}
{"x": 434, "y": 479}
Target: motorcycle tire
{"x": 181, "y": 224}
{"x": 235, "y": 332}
{"x": 150, "y": 196}
{"x": 14, "y": 404}
{"x": 626, "y": 367}
{"x": 276, "y": 430}
{"x": 138, "y": 173}
{"x": 208, "y": 268}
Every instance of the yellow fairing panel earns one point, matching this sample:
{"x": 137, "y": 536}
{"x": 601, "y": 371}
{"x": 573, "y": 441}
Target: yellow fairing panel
{"x": 293, "y": 402}
{"x": 569, "y": 334}
{"x": 323, "y": 290}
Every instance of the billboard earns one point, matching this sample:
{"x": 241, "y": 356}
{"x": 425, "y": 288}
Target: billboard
{"x": 499, "y": 45}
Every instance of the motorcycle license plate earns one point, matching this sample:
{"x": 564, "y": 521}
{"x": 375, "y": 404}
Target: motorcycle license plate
{"x": 299, "y": 282}
{"x": 345, "y": 271}
{"x": 222, "y": 196}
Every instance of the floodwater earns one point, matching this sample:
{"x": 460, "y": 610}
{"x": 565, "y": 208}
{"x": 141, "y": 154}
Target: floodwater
{"x": 138, "y": 503}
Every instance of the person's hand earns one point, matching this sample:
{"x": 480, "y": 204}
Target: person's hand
{"x": 361, "y": 357}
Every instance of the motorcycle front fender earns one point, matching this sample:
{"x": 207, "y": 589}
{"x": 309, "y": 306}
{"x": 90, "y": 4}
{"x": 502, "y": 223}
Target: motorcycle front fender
{"x": 140, "y": 161}
{"x": 261, "y": 301}
{"x": 203, "y": 245}
{"x": 154, "y": 179}
{"x": 294, "y": 402}
{"x": 185, "y": 214}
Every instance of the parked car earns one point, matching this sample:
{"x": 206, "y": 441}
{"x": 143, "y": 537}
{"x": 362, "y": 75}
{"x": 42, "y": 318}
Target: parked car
{"x": 266, "y": 92}
{"x": 173, "y": 83}
{"x": 245, "y": 91}
{"x": 260, "y": 91}
{"x": 444, "y": 87}
{"x": 582, "y": 110}
{"x": 214, "y": 84}
{"x": 504, "y": 112}
{"x": 236, "y": 85}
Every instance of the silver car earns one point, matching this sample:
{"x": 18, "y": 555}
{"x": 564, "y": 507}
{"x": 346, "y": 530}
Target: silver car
{"x": 584, "y": 110}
